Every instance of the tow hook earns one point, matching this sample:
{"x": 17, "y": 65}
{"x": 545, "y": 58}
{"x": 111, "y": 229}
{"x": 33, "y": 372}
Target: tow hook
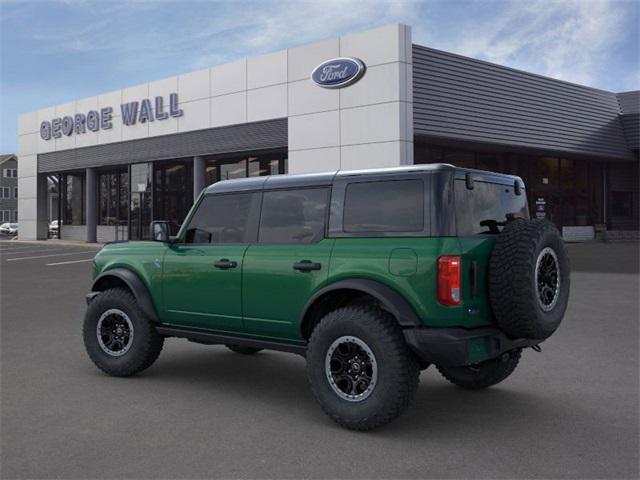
{"x": 536, "y": 348}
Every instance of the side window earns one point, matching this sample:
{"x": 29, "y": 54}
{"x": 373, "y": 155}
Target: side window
{"x": 293, "y": 216}
{"x": 224, "y": 219}
{"x": 384, "y": 206}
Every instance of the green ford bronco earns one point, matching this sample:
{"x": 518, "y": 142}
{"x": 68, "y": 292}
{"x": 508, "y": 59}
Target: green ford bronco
{"x": 371, "y": 275}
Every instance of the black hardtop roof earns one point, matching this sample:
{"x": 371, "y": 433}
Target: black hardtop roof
{"x": 327, "y": 178}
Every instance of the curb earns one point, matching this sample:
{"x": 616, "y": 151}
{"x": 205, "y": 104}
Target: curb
{"x": 64, "y": 243}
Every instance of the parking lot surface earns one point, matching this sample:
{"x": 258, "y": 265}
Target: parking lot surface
{"x": 203, "y": 411}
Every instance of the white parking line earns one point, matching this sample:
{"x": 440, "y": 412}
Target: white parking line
{"x": 44, "y": 256}
{"x": 67, "y": 263}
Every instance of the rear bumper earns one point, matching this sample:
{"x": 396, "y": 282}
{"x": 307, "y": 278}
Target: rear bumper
{"x": 460, "y": 346}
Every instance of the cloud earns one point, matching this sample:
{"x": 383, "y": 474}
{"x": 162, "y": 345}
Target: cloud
{"x": 569, "y": 40}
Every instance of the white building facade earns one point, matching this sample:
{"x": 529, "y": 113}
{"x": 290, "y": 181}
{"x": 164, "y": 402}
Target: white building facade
{"x": 364, "y": 125}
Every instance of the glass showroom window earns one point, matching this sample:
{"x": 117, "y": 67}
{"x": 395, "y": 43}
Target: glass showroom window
{"x": 113, "y": 197}
{"x": 248, "y": 165}
{"x": 73, "y": 191}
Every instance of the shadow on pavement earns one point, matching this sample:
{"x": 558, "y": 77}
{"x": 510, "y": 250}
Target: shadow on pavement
{"x": 439, "y": 408}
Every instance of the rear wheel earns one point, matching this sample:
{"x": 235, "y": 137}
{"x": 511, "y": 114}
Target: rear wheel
{"x": 119, "y": 338}
{"x": 360, "y": 369}
{"x": 485, "y": 374}
{"x": 243, "y": 350}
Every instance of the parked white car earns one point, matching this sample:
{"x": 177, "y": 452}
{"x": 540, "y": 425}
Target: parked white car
{"x": 9, "y": 228}
{"x": 54, "y": 229}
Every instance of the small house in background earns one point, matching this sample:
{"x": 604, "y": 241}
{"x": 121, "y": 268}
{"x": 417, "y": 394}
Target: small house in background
{"x": 9, "y": 188}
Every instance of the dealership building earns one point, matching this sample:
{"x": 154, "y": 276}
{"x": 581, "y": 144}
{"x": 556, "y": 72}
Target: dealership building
{"x": 108, "y": 165}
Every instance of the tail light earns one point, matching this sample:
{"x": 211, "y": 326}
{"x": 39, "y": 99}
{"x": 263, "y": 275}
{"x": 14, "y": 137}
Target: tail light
{"x": 449, "y": 280}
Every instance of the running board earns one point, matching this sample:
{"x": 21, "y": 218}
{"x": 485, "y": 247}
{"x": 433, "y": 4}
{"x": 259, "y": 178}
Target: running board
{"x": 219, "y": 339}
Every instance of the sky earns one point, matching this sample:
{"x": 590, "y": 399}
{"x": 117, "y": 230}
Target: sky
{"x": 55, "y": 51}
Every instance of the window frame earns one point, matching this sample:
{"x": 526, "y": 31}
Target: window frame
{"x": 253, "y": 222}
{"x": 325, "y": 230}
{"x": 340, "y": 185}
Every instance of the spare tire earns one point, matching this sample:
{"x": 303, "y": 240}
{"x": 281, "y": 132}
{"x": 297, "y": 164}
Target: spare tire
{"x": 529, "y": 279}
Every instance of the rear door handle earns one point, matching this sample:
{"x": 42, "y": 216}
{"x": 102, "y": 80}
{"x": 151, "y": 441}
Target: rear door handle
{"x": 306, "y": 266}
{"x": 225, "y": 264}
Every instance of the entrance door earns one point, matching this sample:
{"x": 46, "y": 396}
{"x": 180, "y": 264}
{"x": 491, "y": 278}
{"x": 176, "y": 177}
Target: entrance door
{"x": 290, "y": 260}
{"x": 202, "y": 272}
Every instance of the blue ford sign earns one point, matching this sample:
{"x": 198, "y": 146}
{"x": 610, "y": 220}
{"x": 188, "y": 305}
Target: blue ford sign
{"x": 338, "y": 72}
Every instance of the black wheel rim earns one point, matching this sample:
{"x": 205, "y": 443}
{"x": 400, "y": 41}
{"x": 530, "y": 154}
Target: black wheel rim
{"x": 351, "y": 368}
{"x": 114, "y": 332}
{"x": 547, "y": 279}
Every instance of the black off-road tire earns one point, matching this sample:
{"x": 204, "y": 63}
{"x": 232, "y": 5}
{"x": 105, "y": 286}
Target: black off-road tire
{"x": 513, "y": 291}
{"x": 482, "y": 375}
{"x": 397, "y": 369}
{"x": 145, "y": 345}
{"x": 242, "y": 350}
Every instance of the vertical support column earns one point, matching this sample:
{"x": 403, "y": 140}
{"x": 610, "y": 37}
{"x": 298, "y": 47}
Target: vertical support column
{"x": 199, "y": 176}
{"x": 42, "y": 214}
{"x": 91, "y": 210}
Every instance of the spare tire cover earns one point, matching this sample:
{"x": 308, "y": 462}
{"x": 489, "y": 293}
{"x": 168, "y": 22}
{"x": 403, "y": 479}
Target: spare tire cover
{"x": 529, "y": 279}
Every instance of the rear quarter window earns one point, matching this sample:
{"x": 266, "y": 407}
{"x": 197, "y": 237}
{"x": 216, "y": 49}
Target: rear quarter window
{"x": 486, "y": 202}
{"x": 393, "y": 206}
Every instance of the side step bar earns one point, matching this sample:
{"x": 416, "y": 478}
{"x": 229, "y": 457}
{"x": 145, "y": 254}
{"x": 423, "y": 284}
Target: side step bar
{"x": 209, "y": 338}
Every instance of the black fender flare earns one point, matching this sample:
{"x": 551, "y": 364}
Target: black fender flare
{"x": 135, "y": 284}
{"x": 391, "y": 300}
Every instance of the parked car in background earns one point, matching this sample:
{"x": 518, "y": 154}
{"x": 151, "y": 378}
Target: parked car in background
{"x": 54, "y": 229}
{"x": 9, "y": 229}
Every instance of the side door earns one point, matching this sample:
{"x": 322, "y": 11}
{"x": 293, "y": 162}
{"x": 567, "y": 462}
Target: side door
{"x": 202, "y": 271}
{"x": 290, "y": 260}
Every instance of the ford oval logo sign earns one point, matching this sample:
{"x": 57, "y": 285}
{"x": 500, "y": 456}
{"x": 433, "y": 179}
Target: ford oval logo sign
{"x": 338, "y": 73}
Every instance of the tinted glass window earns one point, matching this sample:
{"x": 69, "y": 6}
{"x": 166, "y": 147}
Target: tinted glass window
{"x": 385, "y": 206}
{"x": 293, "y": 216}
{"x": 486, "y": 202}
{"x": 223, "y": 219}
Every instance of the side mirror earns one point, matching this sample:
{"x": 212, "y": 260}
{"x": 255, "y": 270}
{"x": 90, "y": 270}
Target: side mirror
{"x": 164, "y": 231}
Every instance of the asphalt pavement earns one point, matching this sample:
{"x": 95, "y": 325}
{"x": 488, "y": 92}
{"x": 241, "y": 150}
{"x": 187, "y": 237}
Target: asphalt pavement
{"x": 570, "y": 411}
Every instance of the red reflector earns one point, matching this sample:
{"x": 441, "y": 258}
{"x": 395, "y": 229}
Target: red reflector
{"x": 449, "y": 280}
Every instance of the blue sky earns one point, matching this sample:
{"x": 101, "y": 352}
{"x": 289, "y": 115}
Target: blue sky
{"x": 57, "y": 51}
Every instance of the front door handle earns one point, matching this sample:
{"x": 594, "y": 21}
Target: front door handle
{"x": 306, "y": 265}
{"x": 225, "y": 264}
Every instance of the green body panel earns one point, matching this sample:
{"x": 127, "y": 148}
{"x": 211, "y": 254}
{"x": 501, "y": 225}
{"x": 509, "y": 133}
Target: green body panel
{"x": 273, "y": 293}
{"x": 409, "y": 266}
{"x": 142, "y": 258}
{"x": 197, "y": 294}
{"x": 264, "y": 296}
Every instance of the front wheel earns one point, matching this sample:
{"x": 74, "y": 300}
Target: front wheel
{"x": 485, "y": 374}
{"x": 360, "y": 369}
{"x": 119, "y": 338}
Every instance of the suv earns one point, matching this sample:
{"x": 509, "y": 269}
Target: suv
{"x": 371, "y": 275}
